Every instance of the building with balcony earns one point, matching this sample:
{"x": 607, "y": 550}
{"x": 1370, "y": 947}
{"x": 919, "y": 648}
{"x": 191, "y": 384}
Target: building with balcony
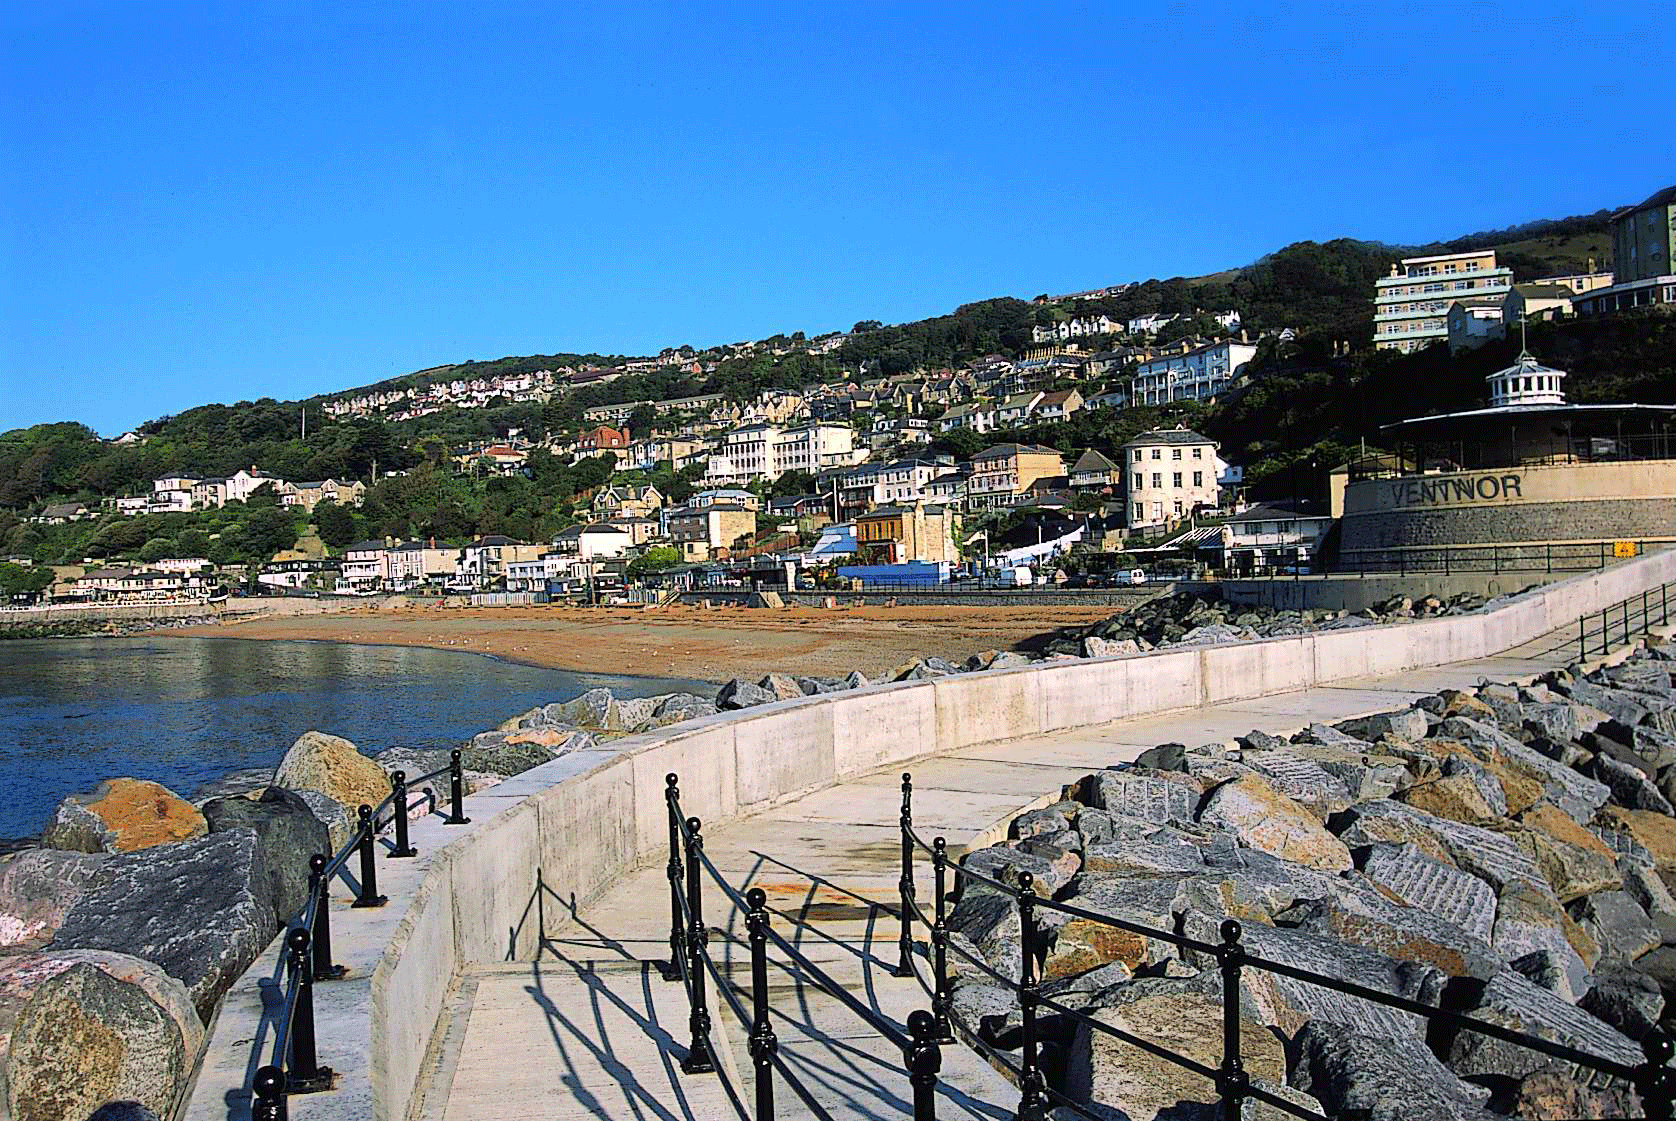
{"x": 1411, "y": 306}
{"x": 1002, "y": 475}
{"x": 1644, "y": 266}
{"x": 907, "y": 533}
{"x": 1197, "y": 375}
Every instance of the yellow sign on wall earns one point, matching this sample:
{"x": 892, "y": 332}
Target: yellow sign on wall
{"x": 1623, "y": 548}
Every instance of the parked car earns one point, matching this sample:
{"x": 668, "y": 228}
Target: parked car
{"x": 1137, "y": 576}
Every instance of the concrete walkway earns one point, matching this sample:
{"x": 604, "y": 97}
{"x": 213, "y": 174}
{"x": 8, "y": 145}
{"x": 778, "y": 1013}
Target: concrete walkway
{"x": 590, "y": 1029}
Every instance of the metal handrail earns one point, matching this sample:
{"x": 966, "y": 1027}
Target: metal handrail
{"x": 1623, "y": 616}
{"x": 690, "y": 959}
{"x": 306, "y": 953}
{"x": 1653, "y": 1079}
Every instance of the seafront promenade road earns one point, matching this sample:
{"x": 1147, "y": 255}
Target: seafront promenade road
{"x": 589, "y": 1029}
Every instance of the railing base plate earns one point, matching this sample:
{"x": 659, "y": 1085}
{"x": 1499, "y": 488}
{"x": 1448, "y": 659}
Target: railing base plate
{"x": 321, "y": 1082}
{"x": 375, "y": 901}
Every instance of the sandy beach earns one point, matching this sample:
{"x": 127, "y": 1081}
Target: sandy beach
{"x": 709, "y": 644}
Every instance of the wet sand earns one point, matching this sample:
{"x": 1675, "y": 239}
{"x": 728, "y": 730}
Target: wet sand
{"x": 678, "y": 641}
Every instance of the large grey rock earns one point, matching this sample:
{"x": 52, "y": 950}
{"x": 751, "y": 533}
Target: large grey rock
{"x": 1511, "y": 1001}
{"x": 340, "y": 820}
{"x": 1162, "y": 801}
{"x": 1629, "y": 786}
{"x": 633, "y": 714}
{"x": 200, "y": 909}
{"x": 123, "y": 1111}
{"x": 985, "y": 924}
{"x": 1560, "y": 974}
{"x": 738, "y": 694}
{"x": 122, "y": 815}
{"x": 1648, "y": 890}
{"x": 1617, "y": 924}
{"x": 1369, "y": 920}
{"x": 247, "y": 781}
{"x": 681, "y": 706}
{"x": 82, "y": 1028}
{"x": 512, "y": 753}
{"x": 333, "y": 766}
{"x": 37, "y": 887}
{"x": 1576, "y": 795}
{"x": 1288, "y": 1004}
{"x": 1620, "y": 705}
{"x": 289, "y": 834}
{"x": 1052, "y": 868}
{"x": 595, "y": 710}
{"x": 1301, "y": 779}
{"x": 1126, "y": 1082}
{"x": 783, "y": 686}
{"x": 1265, "y": 819}
{"x": 1411, "y": 876}
{"x": 1624, "y": 998}
{"x": 1402, "y": 724}
{"x": 1374, "y": 1078}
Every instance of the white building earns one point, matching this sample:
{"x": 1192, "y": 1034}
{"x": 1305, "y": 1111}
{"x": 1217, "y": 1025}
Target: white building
{"x": 1147, "y": 324}
{"x": 1081, "y": 327}
{"x": 1170, "y": 472}
{"x": 979, "y": 416}
{"x": 1411, "y": 306}
{"x": 1198, "y": 375}
{"x": 765, "y": 451}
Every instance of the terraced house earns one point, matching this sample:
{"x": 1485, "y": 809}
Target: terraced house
{"x": 1002, "y": 475}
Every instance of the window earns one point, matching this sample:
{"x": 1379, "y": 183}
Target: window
{"x": 1198, "y": 478}
{"x": 1139, "y": 480}
{"x": 1175, "y": 479}
{"x": 1157, "y": 453}
{"x": 1140, "y": 512}
{"x": 1157, "y": 480}
{"x": 1198, "y": 453}
{"x": 1175, "y": 453}
{"x": 1137, "y": 455}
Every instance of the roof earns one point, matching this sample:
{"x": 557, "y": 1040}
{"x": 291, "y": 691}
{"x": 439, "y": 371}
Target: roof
{"x": 1275, "y": 514}
{"x": 1666, "y": 197}
{"x": 1092, "y": 460}
{"x": 364, "y": 547}
{"x": 62, "y": 509}
{"x": 1058, "y": 397}
{"x": 1000, "y": 451}
{"x": 1170, "y": 436}
{"x": 1543, "y": 290}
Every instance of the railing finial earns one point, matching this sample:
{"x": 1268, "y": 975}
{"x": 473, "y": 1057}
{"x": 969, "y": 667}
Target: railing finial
{"x": 924, "y": 1060}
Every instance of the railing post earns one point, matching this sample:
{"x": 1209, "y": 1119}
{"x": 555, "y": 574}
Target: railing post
{"x": 1032, "y": 1102}
{"x": 942, "y": 999}
{"x": 1582, "y": 639}
{"x": 321, "y": 936}
{"x": 304, "y": 1074}
{"x": 456, "y": 790}
{"x": 763, "y": 1043}
{"x": 399, "y": 797}
{"x": 905, "y": 886}
{"x": 699, "y": 1059}
{"x": 369, "y": 896}
{"x": 1652, "y": 1079}
{"x": 677, "y": 930}
{"x": 1664, "y": 604}
{"x": 1232, "y": 1079}
{"x": 924, "y": 1059}
{"x": 1646, "y": 617}
{"x": 269, "y": 1089}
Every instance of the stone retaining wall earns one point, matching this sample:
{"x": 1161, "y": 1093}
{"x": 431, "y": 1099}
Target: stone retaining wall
{"x": 558, "y": 835}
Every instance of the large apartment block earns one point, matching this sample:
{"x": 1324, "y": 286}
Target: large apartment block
{"x": 1411, "y": 306}
{"x": 1644, "y": 245}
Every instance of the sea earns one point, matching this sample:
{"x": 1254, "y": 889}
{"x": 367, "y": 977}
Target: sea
{"x": 184, "y": 711}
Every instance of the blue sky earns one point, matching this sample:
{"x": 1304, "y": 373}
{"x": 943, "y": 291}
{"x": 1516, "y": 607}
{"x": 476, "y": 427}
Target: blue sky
{"x": 216, "y": 202}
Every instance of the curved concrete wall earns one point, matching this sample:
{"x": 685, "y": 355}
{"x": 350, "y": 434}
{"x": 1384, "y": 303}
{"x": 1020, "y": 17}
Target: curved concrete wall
{"x": 554, "y": 837}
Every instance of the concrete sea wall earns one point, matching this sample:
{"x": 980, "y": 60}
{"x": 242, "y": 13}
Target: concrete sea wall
{"x": 551, "y": 839}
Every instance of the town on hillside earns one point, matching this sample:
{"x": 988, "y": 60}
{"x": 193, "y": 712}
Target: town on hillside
{"x": 1083, "y": 452}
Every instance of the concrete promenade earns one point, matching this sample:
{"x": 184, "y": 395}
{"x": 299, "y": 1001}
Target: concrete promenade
{"x": 586, "y": 1027}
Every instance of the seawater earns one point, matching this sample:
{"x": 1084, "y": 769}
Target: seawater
{"x": 183, "y": 711}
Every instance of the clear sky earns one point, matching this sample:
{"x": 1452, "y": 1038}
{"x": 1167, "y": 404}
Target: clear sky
{"x": 216, "y": 202}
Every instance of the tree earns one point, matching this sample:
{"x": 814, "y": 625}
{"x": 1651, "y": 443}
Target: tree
{"x": 642, "y": 419}
{"x": 866, "y": 325}
{"x": 790, "y": 484}
{"x": 335, "y": 524}
{"x": 658, "y": 558}
{"x": 268, "y": 531}
{"x": 25, "y": 580}
{"x": 157, "y": 549}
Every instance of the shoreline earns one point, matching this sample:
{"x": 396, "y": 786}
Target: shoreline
{"x": 691, "y": 643}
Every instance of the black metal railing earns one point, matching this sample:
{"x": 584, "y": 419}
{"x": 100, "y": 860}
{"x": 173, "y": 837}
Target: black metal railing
{"x": 1617, "y": 624}
{"x": 294, "y": 1065}
{"x": 1426, "y": 457}
{"x": 1652, "y": 1078}
{"x": 1568, "y": 556}
{"x": 690, "y": 961}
